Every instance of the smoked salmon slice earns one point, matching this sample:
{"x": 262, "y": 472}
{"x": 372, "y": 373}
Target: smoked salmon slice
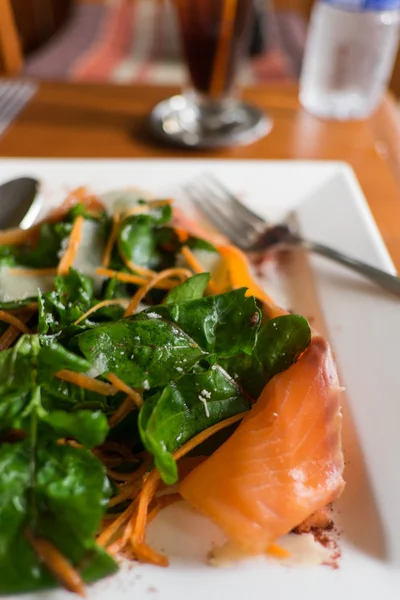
{"x": 284, "y": 461}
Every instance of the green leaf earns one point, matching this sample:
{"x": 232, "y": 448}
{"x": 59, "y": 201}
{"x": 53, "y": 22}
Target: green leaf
{"x": 65, "y": 506}
{"x": 45, "y": 254}
{"x": 53, "y": 357}
{"x": 279, "y": 344}
{"x": 136, "y": 241}
{"x": 71, "y": 299}
{"x": 144, "y": 353}
{"x": 183, "y": 409}
{"x": 14, "y": 482}
{"x": 191, "y": 289}
{"x": 224, "y": 325}
{"x": 88, "y": 427}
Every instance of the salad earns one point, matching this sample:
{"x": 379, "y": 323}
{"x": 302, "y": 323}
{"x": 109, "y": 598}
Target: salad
{"x": 128, "y": 339}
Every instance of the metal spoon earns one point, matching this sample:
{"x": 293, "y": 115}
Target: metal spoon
{"x": 20, "y": 203}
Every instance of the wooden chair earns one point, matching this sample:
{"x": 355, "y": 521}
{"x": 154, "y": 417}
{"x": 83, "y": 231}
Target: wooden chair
{"x": 26, "y": 25}
{"x": 11, "y": 59}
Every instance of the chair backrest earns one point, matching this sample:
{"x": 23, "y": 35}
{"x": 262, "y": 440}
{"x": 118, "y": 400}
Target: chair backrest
{"x": 10, "y": 47}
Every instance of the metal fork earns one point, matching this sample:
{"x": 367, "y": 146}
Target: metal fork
{"x": 14, "y": 94}
{"x": 251, "y": 233}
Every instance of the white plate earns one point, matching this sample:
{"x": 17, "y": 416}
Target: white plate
{"x": 363, "y": 325}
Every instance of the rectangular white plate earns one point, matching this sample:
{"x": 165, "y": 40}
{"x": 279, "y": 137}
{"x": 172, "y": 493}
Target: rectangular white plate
{"x": 362, "y": 323}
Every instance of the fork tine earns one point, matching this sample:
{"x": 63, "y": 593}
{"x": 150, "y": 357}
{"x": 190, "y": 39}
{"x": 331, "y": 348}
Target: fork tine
{"x": 240, "y": 228}
{"x": 221, "y": 221}
{"x": 245, "y": 212}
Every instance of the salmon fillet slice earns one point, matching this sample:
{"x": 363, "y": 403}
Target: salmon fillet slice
{"x": 284, "y": 461}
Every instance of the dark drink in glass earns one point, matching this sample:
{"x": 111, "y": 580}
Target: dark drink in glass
{"x": 214, "y": 37}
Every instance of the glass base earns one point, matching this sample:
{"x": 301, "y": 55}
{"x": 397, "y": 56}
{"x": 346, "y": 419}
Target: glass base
{"x": 182, "y": 121}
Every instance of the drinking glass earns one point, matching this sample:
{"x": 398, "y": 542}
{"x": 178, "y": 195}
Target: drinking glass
{"x": 209, "y": 112}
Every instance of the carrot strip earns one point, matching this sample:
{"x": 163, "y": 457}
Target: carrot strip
{"x": 182, "y": 234}
{"x": 162, "y": 502}
{"x": 143, "y": 271}
{"x": 123, "y": 410}
{"x": 12, "y": 332}
{"x": 86, "y": 382}
{"x": 111, "y": 240}
{"x": 17, "y": 237}
{"x": 32, "y": 307}
{"x": 78, "y": 196}
{"x": 277, "y": 551}
{"x": 122, "y": 387}
{"x": 32, "y": 272}
{"x": 135, "y": 279}
{"x": 128, "y": 491}
{"x": 12, "y": 320}
{"x": 116, "y": 301}
{"x": 195, "y": 265}
{"x": 144, "y": 290}
{"x": 113, "y": 528}
{"x": 74, "y": 242}
{"x": 59, "y": 566}
{"x": 145, "y": 554}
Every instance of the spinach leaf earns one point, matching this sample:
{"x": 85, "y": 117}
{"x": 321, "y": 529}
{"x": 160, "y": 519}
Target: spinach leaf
{"x": 16, "y": 304}
{"x": 279, "y": 344}
{"x": 143, "y": 353}
{"x": 223, "y": 325}
{"x": 184, "y": 408}
{"x": 53, "y": 357}
{"x": 63, "y": 504}
{"x": 72, "y": 297}
{"x": 45, "y": 254}
{"x": 191, "y": 289}
{"x": 88, "y": 427}
{"x": 136, "y": 241}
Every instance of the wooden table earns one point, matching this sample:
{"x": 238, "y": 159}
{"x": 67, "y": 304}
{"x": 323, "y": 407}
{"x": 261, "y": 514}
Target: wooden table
{"x": 65, "y": 120}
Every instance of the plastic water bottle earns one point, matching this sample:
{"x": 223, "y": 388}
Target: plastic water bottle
{"x": 349, "y": 57}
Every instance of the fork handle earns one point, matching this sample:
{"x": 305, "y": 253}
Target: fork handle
{"x": 385, "y": 280}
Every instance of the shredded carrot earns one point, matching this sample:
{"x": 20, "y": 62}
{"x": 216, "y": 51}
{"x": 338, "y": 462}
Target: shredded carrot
{"x": 162, "y": 502}
{"x": 122, "y": 387}
{"x": 86, "y": 382}
{"x": 118, "y": 448}
{"x": 182, "y": 234}
{"x": 17, "y": 236}
{"x": 12, "y": 320}
{"x": 102, "y": 304}
{"x": 195, "y": 265}
{"x": 145, "y": 554}
{"x": 114, "y": 527}
{"x": 57, "y": 564}
{"x": 151, "y": 483}
{"x": 78, "y": 196}
{"x": 127, "y": 491}
{"x": 8, "y": 337}
{"x": 123, "y": 410}
{"x": 32, "y": 272}
{"x": 144, "y": 290}
{"x": 111, "y": 240}
{"x": 135, "y": 279}
{"x": 74, "y": 242}
{"x": 117, "y": 476}
{"x": 143, "y": 271}
{"x": 12, "y": 332}
{"x": 277, "y": 551}
{"x": 32, "y": 307}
